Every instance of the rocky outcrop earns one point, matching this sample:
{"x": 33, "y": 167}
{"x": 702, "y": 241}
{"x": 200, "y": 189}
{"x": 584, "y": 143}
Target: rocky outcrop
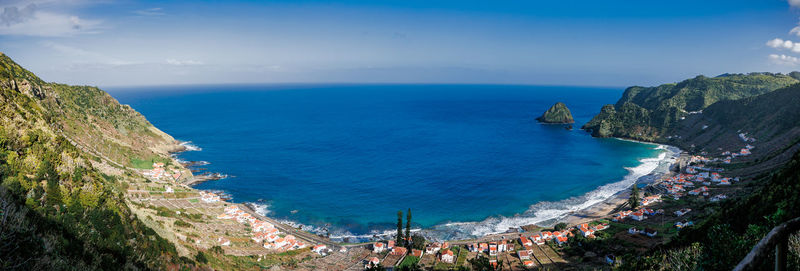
{"x": 558, "y": 113}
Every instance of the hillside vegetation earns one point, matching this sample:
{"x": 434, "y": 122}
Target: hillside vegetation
{"x": 58, "y": 211}
{"x": 650, "y": 113}
{"x": 558, "y": 113}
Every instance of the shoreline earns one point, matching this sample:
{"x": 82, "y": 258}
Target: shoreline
{"x": 599, "y": 210}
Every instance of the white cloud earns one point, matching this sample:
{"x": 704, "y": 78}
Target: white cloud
{"x": 31, "y": 20}
{"x": 150, "y": 12}
{"x": 794, "y": 3}
{"x": 85, "y": 55}
{"x": 175, "y": 62}
{"x": 784, "y": 44}
{"x": 784, "y": 59}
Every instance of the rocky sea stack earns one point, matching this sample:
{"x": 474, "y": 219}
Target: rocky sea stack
{"x": 558, "y": 113}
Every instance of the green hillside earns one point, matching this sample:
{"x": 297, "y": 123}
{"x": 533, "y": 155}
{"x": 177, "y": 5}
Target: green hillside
{"x": 649, "y": 113}
{"x": 58, "y": 210}
{"x": 764, "y": 116}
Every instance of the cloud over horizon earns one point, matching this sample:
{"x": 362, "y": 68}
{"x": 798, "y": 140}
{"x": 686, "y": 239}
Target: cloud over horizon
{"x": 33, "y": 20}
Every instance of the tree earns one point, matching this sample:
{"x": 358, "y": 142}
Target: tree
{"x": 408, "y": 229}
{"x": 418, "y": 242}
{"x": 483, "y": 264}
{"x": 560, "y": 226}
{"x": 633, "y": 201}
{"x": 200, "y": 257}
{"x": 400, "y": 228}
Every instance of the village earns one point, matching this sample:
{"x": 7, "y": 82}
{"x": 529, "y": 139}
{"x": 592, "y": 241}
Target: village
{"x": 203, "y": 219}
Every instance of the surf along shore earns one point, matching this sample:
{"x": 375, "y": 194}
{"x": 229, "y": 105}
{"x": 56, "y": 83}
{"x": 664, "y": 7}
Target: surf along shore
{"x": 663, "y": 168}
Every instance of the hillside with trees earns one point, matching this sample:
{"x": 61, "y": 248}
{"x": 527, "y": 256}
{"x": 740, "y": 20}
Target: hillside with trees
{"x": 651, "y": 113}
{"x": 58, "y": 211}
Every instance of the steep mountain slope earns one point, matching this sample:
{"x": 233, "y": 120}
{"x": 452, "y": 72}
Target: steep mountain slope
{"x": 771, "y": 119}
{"x": 58, "y": 211}
{"x": 650, "y": 113}
{"x": 91, "y": 118}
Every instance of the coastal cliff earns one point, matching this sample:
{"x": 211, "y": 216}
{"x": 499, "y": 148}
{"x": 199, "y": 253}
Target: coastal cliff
{"x": 651, "y": 113}
{"x": 65, "y": 153}
{"x": 558, "y": 113}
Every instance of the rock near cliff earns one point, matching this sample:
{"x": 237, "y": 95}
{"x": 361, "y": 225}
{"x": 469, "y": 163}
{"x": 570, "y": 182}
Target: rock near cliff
{"x": 558, "y": 113}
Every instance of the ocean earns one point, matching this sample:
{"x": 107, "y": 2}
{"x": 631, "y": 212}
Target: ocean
{"x": 342, "y": 159}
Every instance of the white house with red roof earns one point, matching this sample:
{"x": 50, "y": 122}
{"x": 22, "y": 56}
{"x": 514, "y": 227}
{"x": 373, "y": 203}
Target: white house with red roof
{"x": 378, "y": 247}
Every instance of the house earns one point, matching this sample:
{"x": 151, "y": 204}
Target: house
{"x": 493, "y": 250}
{"x": 374, "y": 261}
{"x": 416, "y": 253}
{"x": 271, "y": 237}
{"x": 718, "y": 197}
{"x": 523, "y": 255}
{"x": 319, "y": 249}
{"x": 527, "y": 263}
{"x": 610, "y": 259}
{"x": 525, "y": 241}
{"x": 434, "y": 247}
{"x": 638, "y": 216}
{"x": 650, "y": 232}
{"x": 399, "y": 251}
{"x": 502, "y": 246}
{"x": 378, "y": 247}
{"x": 546, "y": 235}
{"x": 223, "y": 242}
{"x": 585, "y": 230}
{"x": 561, "y": 240}
{"x": 633, "y": 230}
{"x": 280, "y": 242}
{"x": 390, "y": 244}
{"x": 484, "y": 247}
{"x": 231, "y": 209}
{"x": 259, "y": 237}
{"x": 682, "y": 212}
{"x": 600, "y": 227}
{"x": 169, "y": 190}
{"x": 684, "y": 224}
{"x": 537, "y": 239}
{"x": 445, "y": 245}
{"x": 447, "y": 256}
{"x": 224, "y": 216}
{"x": 473, "y": 247}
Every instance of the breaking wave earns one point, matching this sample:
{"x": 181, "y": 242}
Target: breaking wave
{"x": 548, "y": 213}
{"x": 190, "y": 147}
{"x": 544, "y": 213}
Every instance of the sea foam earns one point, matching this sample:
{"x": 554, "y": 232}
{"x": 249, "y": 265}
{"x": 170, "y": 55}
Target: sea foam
{"x": 544, "y": 213}
{"x": 548, "y": 213}
{"x": 190, "y": 147}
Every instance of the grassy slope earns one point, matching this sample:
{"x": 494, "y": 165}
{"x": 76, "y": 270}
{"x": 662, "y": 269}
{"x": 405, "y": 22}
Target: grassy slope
{"x": 57, "y": 210}
{"x": 720, "y": 241}
{"x": 649, "y": 113}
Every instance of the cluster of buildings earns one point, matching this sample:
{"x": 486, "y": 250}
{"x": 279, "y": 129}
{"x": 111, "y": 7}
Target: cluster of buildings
{"x": 647, "y": 231}
{"x": 638, "y": 215}
{"x": 209, "y": 197}
{"x": 264, "y": 232}
{"x": 677, "y": 185}
{"x": 380, "y": 247}
{"x": 491, "y": 248}
{"x": 160, "y": 173}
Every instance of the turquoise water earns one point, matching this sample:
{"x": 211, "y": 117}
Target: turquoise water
{"x": 467, "y": 159}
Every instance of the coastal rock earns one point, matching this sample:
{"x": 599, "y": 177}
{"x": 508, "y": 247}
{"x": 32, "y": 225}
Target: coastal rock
{"x": 558, "y": 113}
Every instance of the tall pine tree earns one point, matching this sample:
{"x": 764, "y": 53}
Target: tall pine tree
{"x": 633, "y": 201}
{"x": 408, "y": 229}
{"x": 400, "y": 228}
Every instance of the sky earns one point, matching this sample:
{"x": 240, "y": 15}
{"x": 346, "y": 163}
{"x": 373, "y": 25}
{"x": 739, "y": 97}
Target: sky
{"x": 566, "y": 42}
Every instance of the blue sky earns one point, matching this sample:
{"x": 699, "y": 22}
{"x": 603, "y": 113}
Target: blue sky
{"x": 602, "y": 43}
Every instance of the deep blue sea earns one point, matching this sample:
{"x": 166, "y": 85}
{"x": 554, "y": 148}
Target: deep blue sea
{"x": 467, "y": 159}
